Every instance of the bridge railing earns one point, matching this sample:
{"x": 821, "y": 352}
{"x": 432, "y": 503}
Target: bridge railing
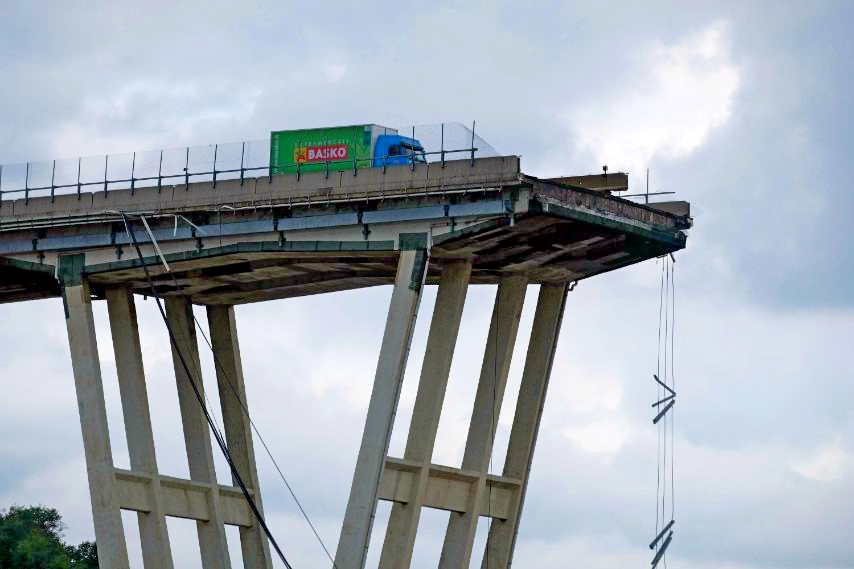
{"x": 209, "y": 163}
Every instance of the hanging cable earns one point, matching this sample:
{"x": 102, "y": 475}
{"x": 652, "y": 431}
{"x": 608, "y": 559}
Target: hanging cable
{"x": 263, "y": 442}
{"x": 658, "y": 397}
{"x": 157, "y": 249}
{"x": 666, "y": 400}
{"x": 230, "y": 383}
{"x": 663, "y": 413}
{"x": 673, "y": 383}
{"x": 200, "y": 398}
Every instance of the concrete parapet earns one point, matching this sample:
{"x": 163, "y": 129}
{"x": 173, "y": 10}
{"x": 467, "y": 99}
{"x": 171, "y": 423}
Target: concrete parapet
{"x": 291, "y": 188}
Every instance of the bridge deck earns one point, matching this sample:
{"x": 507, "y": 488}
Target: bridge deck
{"x": 296, "y": 235}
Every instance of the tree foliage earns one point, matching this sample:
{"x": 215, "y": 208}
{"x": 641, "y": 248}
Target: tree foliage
{"x": 31, "y": 538}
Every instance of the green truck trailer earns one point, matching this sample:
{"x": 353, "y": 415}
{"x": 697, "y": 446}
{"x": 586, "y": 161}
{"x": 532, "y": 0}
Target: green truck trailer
{"x": 340, "y": 148}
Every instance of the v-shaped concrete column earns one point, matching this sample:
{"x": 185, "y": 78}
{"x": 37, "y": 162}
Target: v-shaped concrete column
{"x": 459, "y": 538}
{"x": 238, "y": 433}
{"x": 359, "y": 517}
{"x": 526, "y": 423}
{"x": 447, "y": 313}
{"x": 106, "y": 513}
{"x": 154, "y": 535}
{"x": 197, "y": 438}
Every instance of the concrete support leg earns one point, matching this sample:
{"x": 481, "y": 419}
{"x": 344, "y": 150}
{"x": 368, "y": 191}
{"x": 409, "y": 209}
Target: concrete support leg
{"x": 358, "y": 519}
{"x": 109, "y": 533}
{"x": 529, "y": 411}
{"x": 447, "y": 313}
{"x": 154, "y": 536}
{"x": 459, "y": 538}
{"x": 238, "y": 433}
{"x": 212, "y": 541}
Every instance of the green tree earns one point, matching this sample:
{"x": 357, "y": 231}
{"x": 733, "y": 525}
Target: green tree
{"x": 83, "y": 556}
{"x": 31, "y": 538}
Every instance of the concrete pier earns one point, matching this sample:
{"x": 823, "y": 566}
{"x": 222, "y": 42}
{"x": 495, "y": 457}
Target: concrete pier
{"x": 143, "y": 489}
{"x": 197, "y": 437}
{"x": 441, "y": 341}
{"x": 459, "y": 538}
{"x": 526, "y": 422}
{"x": 238, "y": 431}
{"x": 106, "y": 505}
{"x": 154, "y": 535}
{"x": 359, "y": 517}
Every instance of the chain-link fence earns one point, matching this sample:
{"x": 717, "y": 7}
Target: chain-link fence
{"x": 211, "y": 163}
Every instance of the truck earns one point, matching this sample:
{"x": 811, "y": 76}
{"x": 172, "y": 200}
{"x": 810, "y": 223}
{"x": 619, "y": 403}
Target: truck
{"x": 341, "y": 148}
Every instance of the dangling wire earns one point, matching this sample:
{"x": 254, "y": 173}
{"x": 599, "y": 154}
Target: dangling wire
{"x": 197, "y": 390}
{"x": 673, "y": 384}
{"x": 263, "y": 442}
{"x": 666, "y": 399}
{"x": 666, "y": 381}
{"x": 229, "y": 381}
{"x": 658, "y": 395}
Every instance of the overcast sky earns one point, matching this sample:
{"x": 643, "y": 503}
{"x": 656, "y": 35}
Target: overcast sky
{"x": 744, "y": 109}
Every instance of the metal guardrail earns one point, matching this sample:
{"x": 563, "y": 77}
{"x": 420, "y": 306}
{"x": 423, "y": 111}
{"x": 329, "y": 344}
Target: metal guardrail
{"x": 200, "y": 164}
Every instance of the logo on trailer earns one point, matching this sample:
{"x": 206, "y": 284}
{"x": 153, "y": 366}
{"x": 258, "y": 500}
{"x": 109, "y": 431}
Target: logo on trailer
{"x": 328, "y": 153}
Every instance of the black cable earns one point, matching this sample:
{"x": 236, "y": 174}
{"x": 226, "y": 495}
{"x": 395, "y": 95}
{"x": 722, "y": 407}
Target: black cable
{"x": 217, "y": 435}
{"x": 230, "y": 384}
{"x": 263, "y": 442}
{"x": 666, "y": 335}
{"x": 658, "y": 397}
{"x": 673, "y": 383}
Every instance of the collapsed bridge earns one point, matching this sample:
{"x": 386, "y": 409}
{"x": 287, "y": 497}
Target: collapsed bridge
{"x": 224, "y": 243}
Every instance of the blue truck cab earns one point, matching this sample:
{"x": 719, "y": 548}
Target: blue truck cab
{"x": 394, "y": 149}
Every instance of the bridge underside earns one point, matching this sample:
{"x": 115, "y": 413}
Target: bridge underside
{"x": 546, "y": 248}
{"x": 21, "y": 280}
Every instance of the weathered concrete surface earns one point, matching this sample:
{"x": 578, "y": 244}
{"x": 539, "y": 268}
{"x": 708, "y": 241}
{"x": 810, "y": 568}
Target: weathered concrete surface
{"x": 441, "y": 341}
{"x": 154, "y": 535}
{"x": 361, "y": 506}
{"x": 614, "y": 182}
{"x": 264, "y": 192}
{"x": 238, "y": 431}
{"x": 526, "y": 423}
{"x": 448, "y": 488}
{"x": 292, "y": 236}
{"x": 106, "y": 515}
{"x": 459, "y": 538}
{"x": 187, "y": 499}
{"x": 197, "y": 437}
